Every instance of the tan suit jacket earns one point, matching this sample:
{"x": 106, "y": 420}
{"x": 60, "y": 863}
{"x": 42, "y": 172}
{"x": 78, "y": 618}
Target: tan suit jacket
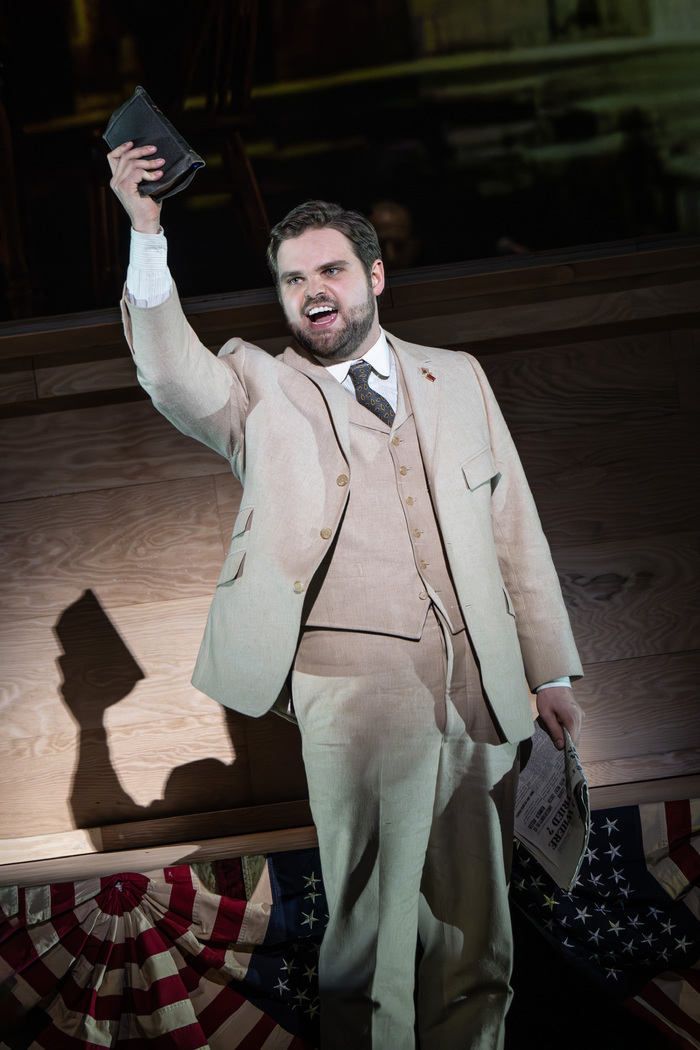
{"x": 283, "y": 425}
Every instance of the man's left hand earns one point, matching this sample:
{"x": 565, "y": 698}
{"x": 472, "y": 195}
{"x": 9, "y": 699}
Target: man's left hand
{"x": 557, "y": 707}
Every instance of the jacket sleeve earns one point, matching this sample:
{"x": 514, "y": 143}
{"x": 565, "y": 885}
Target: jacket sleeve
{"x": 544, "y": 631}
{"x": 203, "y": 395}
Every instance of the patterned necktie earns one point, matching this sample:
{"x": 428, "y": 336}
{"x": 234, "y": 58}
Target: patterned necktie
{"x": 359, "y": 374}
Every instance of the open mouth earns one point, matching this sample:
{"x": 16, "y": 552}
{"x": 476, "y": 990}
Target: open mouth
{"x": 322, "y": 316}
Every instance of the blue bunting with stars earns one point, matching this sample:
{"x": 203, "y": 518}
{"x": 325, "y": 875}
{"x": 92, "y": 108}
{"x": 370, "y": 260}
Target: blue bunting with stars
{"x": 617, "y": 925}
{"x": 282, "y": 978}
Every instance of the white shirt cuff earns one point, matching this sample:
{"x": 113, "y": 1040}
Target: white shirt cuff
{"x": 148, "y": 279}
{"x": 565, "y": 681}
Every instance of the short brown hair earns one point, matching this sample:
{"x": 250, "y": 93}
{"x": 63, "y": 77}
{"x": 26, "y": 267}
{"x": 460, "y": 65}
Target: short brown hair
{"x": 317, "y": 215}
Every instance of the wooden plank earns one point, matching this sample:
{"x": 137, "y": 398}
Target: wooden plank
{"x": 60, "y": 380}
{"x": 544, "y": 270}
{"x": 670, "y": 764}
{"x": 625, "y": 480}
{"x": 583, "y": 384}
{"x": 489, "y": 290}
{"x": 75, "y": 843}
{"x": 160, "y": 769}
{"x": 156, "y": 832}
{"x": 501, "y": 282}
{"x": 252, "y": 314}
{"x": 256, "y": 315}
{"x": 612, "y": 267}
{"x": 83, "y": 734}
{"x": 158, "y": 641}
{"x": 218, "y": 824}
{"x": 644, "y": 791}
{"x": 97, "y": 448}
{"x": 135, "y": 544}
{"x": 97, "y": 865}
{"x": 640, "y": 708}
{"x": 73, "y": 402}
{"x": 458, "y": 326}
{"x": 17, "y": 381}
{"x": 95, "y": 331}
{"x": 633, "y": 597}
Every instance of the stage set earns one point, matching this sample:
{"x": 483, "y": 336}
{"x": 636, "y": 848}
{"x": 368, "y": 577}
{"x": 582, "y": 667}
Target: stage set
{"x": 159, "y": 880}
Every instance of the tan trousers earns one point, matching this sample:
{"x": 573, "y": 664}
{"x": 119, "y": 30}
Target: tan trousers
{"x": 412, "y": 794}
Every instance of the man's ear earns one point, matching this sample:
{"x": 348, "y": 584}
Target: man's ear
{"x": 377, "y": 278}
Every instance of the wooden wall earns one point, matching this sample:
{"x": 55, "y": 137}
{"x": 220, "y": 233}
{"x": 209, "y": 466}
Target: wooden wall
{"x": 114, "y": 527}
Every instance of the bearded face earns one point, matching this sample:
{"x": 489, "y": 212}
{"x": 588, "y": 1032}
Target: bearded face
{"x": 329, "y": 300}
{"x": 332, "y": 333}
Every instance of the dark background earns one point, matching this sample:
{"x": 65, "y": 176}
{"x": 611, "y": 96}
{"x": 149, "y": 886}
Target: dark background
{"x": 500, "y": 125}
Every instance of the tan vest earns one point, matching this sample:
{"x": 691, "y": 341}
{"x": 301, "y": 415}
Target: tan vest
{"x": 387, "y": 563}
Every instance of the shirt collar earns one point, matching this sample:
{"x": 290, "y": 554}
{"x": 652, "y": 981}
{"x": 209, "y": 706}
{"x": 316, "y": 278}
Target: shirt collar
{"x": 378, "y": 356}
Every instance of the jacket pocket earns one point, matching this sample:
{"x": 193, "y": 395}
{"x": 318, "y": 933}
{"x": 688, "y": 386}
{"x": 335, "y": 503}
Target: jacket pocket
{"x": 232, "y": 568}
{"x": 243, "y": 522}
{"x": 479, "y": 469}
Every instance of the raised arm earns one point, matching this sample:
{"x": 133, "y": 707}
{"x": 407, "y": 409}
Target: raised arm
{"x": 197, "y": 392}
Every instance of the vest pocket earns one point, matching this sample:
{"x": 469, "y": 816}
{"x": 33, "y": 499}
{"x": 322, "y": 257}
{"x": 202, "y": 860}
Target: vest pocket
{"x": 479, "y": 469}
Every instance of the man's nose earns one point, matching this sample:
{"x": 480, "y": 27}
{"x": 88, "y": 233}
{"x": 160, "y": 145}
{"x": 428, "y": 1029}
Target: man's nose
{"x": 316, "y": 286}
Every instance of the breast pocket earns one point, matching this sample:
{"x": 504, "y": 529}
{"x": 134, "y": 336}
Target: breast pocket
{"x": 479, "y": 469}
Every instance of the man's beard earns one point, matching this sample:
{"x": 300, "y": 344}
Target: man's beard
{"x": 341, "y": 344}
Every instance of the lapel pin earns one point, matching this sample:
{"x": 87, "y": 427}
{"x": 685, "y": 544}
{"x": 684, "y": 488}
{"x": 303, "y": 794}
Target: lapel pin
{"x": 428, "y": 375}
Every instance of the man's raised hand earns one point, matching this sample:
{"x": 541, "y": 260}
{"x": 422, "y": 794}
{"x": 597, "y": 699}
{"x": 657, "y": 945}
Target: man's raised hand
{"x": 131, "y": 165}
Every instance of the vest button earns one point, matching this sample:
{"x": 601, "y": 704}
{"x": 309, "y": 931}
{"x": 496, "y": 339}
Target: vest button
{"x": 326, "y": 534}
{"x": 410, "y": 500}
{"x": 342, "y": 479}
{"x": 403, "y": 471}
{"x": 298, "y": 587}
{"x": 396, "y": 440}
{"x": 423, "y": 596}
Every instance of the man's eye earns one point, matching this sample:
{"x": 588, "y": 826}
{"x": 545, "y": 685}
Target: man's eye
{"x": 333, "y": 270}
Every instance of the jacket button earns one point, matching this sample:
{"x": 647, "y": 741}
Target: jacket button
{"x": 403, "y": 471}
{"x": 396, "y": 440}
{"x": 342, "y": 479}
{"x": 326, "y": 534}
{"x": 410, "y": 500}
{"x": 417, "y": 533}
{"x": 298, "y": 587}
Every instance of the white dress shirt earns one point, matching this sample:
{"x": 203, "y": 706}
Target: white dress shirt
{"x": 382, "y": 379}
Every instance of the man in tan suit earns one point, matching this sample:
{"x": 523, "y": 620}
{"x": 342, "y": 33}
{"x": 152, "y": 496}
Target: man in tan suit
{"x": 389, "y": 584}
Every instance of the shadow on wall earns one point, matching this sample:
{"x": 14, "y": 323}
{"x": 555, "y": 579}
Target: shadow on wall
{"x": 98, "y": 671}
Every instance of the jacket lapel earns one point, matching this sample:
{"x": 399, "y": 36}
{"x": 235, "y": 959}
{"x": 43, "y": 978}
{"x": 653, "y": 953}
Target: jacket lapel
{"x": 335, "y": 396}
{"x": 422, "y": 381}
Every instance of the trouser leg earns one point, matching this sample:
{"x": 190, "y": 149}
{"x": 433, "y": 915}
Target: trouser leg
{"x": 372, "y": 747}
{"x": 412, "y": 795}
{"x": 464, "y": 923}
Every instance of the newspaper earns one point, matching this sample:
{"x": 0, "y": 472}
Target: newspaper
{"x": 552, "y": 809}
